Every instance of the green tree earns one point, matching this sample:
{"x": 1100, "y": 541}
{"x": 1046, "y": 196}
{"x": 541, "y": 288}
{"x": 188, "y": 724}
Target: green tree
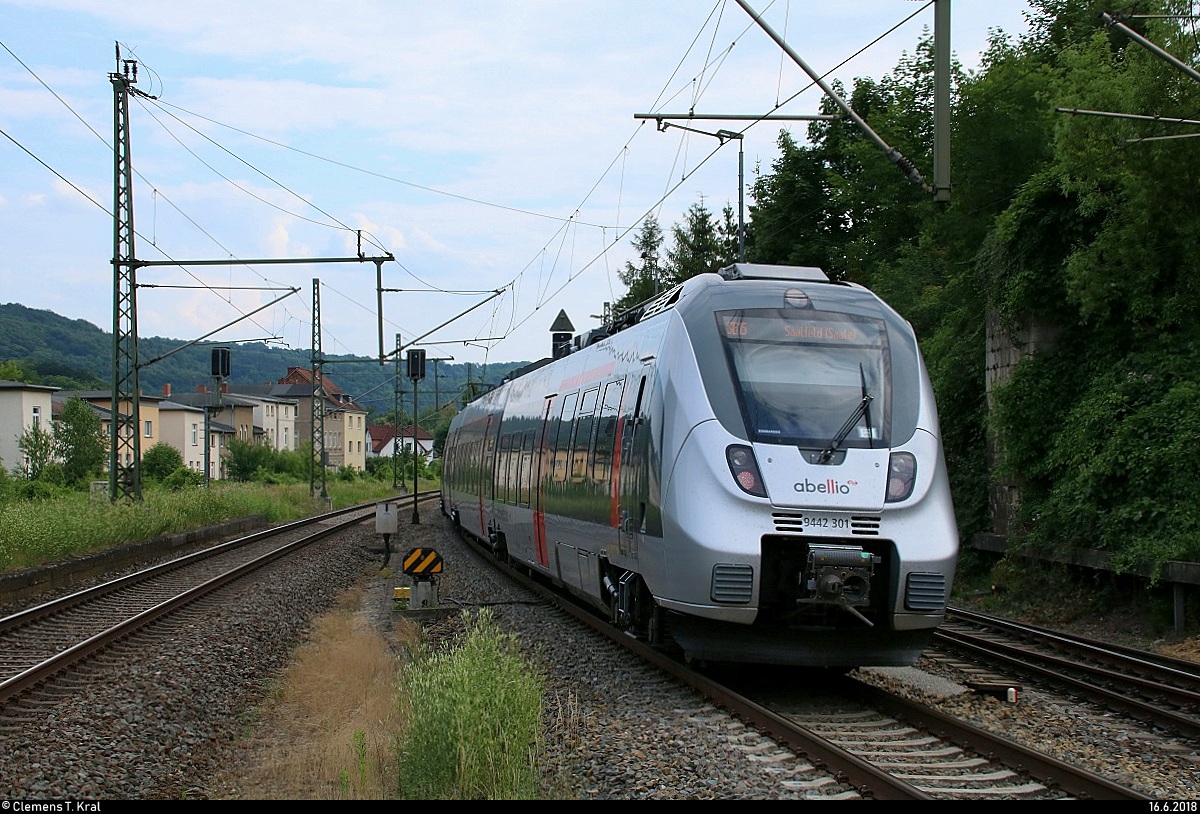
{"x": 696, "y": 245}
{"x": 12, "y": 371}
{"x": 1101, "y": 245}
{"x": 243, "y": 459}
{"x": 793, "y": 222}
{"x": 37, "y": 452}
{"x": 645, "y": 278}
{"x": 80, "y": 441}
{"x": 6, "y": 484}
{"x": 160, "y": 461}
{"x": 729, "y": 235}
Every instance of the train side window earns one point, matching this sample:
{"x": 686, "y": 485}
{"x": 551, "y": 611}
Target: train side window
{"x": 514, "y": 455}
{"x": 581, "y": 438}
{"x": 525, "y": 472}
{"x": 562, "y": 437}
{"x": 489, "y": 460}
{"x": 504, "y": 489}
{"x": 514, "y": 473}
{"x": 606, "y": 431}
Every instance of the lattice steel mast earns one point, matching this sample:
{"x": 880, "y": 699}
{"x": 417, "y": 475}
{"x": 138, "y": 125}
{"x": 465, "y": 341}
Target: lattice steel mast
{"x": 318, "y": 399}
{"x": 124, "y": 448}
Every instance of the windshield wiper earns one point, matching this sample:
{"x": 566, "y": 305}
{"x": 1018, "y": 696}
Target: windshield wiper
{"x": 863, "y": 409}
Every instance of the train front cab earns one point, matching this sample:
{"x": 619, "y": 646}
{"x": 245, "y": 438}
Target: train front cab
{"x": 810, "y": 521}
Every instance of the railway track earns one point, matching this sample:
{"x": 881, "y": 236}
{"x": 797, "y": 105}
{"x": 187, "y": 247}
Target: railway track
{"x": 1158, "y": 690}
{"x": 854, "y": 742}
{"x": 873, "y": 744}
{"x": 40, "y": 644}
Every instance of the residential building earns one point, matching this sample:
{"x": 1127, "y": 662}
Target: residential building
{"x": 22, "y": 407}
{"x": 277, "y": 418}
{"x": 101, "y": 401}
{"x": 346, "y": 441}
{"x": 227, "y": 408}
{"x": 183, "y": 428}
{"x": 386, "y": 439}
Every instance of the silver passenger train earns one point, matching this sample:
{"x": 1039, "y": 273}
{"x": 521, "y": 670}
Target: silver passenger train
{"x": 747, "y": 468}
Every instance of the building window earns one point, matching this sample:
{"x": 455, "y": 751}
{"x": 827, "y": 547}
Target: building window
{"x": 285, "y": 438}
{"x": 195, "y": 434}
{"x": 149, "y": 428}
{"x": 37, "y": 418}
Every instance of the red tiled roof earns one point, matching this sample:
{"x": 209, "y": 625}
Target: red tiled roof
{"x": 301, "y": 375}
{"x": 382, "y": 434}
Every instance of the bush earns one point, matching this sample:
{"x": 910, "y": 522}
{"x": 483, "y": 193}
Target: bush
{"x": 244, "y": 459}
{"x": 182, "y": 478}
{"x": 161, "y": 461}
{"x": 36, "y": 490}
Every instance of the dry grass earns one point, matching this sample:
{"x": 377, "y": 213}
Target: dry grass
{"x": 1188, "y": 649}
{"x": 329, "y": 730}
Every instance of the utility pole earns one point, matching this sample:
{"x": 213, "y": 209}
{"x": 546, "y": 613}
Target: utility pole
{"x": 318, "y": 399}
{"x": 124, "y": 448}
{"x": 396, "y": 419}
{"x": 125, "y": 431}
{"x": 416, "y": 372}
{"x": 437, "y": 393}
{"x": 941, "y": 101}
{"x": 663, "y": 122}
{"x": 894, "y": 155}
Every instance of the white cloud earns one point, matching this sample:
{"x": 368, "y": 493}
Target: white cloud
{"x": 460, "y": 135}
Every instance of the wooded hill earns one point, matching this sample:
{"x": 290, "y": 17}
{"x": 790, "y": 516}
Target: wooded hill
{"x": 76, "y": 355}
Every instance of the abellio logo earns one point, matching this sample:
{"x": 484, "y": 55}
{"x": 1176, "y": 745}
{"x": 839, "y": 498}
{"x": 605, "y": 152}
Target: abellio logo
{"x": 829, "y": 487}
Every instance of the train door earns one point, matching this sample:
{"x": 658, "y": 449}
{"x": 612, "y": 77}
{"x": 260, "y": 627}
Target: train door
{"x": 632, "y": 482}
{"x": 543, "y": 467}
{"x": 487, "y": 465}
{"x": 606, "y": 459}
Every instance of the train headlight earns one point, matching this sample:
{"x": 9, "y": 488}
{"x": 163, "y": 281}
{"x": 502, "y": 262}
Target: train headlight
{"x": 902, "y": 476}
{"x": 745, "y": 470}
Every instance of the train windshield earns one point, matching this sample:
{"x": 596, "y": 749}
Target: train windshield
{"x": 806, "y": 378}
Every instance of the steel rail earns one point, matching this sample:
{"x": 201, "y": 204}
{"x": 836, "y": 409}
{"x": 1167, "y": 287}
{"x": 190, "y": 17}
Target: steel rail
{"x": 40, "y": 673}
{"x": 1169, "y": 667}
{"x": 1048, "y": 770}
{"x": 56, "y": 605}
{"x": 871, "y": 781}
{"x": 1057, "y": 669}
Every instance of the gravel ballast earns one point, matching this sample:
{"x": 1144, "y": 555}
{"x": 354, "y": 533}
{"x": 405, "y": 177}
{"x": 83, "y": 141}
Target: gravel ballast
{"x": 170, "y": 722}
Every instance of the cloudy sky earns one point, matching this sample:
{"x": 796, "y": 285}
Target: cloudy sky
{"x": 487, "y": 146}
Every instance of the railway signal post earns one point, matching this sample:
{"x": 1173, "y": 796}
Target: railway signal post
{"x": 416, "y": 372}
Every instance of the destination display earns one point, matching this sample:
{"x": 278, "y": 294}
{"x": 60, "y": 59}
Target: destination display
{"x": 773, "y": 327}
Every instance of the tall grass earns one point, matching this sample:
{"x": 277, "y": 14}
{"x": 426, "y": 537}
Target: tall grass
{"x": 34, "y": 532}
{"x": 472, "y": 720}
